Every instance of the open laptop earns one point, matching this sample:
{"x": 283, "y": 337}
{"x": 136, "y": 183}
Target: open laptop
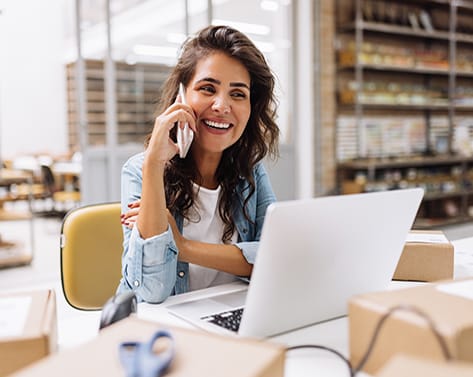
{"x": 314, "y": 255}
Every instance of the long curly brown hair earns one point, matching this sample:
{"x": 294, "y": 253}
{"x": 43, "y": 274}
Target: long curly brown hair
{"x": 259, "y": 139}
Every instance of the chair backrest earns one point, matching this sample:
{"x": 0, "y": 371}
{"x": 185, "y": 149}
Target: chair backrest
{"x": 91, "y": 250}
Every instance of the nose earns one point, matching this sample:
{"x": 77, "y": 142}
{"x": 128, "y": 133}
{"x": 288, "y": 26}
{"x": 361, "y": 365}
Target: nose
{"x": 221, "y": 105}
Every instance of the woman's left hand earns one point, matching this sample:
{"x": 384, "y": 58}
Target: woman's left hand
{"x": 129, "y": 218}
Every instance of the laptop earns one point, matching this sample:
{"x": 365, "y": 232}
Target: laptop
{"x": 314, "y": 255}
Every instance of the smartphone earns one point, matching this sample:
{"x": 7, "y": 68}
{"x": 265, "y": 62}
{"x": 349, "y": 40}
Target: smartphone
{"x": 185, "y": 135}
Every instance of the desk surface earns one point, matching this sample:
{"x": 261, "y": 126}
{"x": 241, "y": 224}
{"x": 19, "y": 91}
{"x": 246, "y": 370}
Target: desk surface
{"x": 299, "y": 363}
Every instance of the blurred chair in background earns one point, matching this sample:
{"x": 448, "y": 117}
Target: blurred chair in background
{"x": 63, "y": 200}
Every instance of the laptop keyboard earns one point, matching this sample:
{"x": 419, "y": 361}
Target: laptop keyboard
{"x": 229, "y": 320}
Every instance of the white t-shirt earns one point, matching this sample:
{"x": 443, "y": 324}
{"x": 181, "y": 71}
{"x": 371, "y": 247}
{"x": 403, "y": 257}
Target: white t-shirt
{"x": 206, "y": 225}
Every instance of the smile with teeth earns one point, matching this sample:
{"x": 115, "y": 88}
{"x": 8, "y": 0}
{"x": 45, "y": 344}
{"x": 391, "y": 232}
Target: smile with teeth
{"x": 220, "y": 126}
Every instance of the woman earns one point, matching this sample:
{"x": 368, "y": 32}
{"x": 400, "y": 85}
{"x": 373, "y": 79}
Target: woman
{"x": 200, "y": 217}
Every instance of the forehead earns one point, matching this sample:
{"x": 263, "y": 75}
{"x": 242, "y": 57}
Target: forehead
{"x": 221, "y": 67}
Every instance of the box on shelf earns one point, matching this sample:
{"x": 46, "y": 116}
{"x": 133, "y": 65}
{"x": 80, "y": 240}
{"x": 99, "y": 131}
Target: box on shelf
{"x": 28, "y": 328}
{"x": 197, "y": 353}
{"x": 352, "y": 187}
{"x": 448, "y": 305}
{"x": 406, "y": 366}
{"x": 427, "y": 256}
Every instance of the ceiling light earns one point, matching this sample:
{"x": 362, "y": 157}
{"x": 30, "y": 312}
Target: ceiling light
{"x": 244, "y": 27}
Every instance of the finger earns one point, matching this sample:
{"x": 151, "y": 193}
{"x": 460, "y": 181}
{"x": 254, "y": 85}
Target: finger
{"x": 129, "y": 214}
{"x": 134, "y": 204}
{"x": 177, "y": 108}
{"x": 129, "y": 222}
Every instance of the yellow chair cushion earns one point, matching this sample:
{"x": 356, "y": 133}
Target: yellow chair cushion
{"x": 91, "y": 250}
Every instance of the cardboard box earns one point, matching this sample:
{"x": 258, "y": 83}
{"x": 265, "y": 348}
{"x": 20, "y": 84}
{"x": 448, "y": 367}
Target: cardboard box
{"x": 406, "y": 366}
{"x": 427, "y": 256}
{"x": 28, "y": 328}
{"x": 449, "y": 305}
{"x": 197, "y": 353}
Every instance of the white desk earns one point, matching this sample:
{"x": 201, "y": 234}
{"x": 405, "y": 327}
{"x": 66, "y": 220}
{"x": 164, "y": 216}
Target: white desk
{"x": 300, "y": 363}
{"x": 463, "y": 262}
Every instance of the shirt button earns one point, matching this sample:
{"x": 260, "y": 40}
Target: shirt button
{"x": 181, "y": 274}
{"x": 245, "y": 230}
{"x": 136, "y": 283}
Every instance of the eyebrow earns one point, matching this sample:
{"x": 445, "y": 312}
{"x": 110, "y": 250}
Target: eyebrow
{"x": 218, "y": 82}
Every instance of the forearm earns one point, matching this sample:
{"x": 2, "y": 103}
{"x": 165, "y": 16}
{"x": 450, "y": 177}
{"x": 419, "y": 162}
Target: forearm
{"x": 149, "y": 266}
{"x": 227, "y": 258}
{"x": 152, "y": 218}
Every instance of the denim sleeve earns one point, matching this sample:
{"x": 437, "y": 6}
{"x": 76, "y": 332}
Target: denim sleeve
{"x": 264, "y": 196}
{"x": 148, "y": 265}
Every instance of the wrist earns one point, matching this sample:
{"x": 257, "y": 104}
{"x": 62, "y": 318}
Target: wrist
{"x": 153, "y": 165}
{"x": 183, "y": 247}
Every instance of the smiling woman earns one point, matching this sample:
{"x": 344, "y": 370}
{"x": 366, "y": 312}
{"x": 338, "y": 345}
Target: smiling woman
{"x": 196, "y": 221}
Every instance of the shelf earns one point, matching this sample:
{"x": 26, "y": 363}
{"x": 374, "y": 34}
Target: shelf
{"x": 429, "y": 223}
{"x": 405, "y": 92}
{"x": 404, "y": 162}
{"x": 14, "y": 215}
{"x": 137, "y": 91}
{"x": 396, "y": 30}
{"x": 406, "y": 69}
{"x": 391, "y": 106}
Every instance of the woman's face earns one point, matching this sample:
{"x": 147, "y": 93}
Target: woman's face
{"x": 219, "y": 94}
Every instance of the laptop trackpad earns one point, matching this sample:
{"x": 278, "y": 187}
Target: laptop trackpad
{"x": 233, "y": 300}
{"x": 211, "y": 305}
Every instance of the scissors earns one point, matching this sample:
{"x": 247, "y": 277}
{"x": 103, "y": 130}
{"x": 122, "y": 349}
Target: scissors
{"x": 139, "y": 359}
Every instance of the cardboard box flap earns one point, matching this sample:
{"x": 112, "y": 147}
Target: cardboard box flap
{"x": 42, "y": 313}
{"x": 29, "y": 328}
{"x": 36, "y": 307}
{"x": 197, "y": 353}
{"x": 428, "y": 298}
{"x": 434, "y": 237}
{"x": 49, "y": 325}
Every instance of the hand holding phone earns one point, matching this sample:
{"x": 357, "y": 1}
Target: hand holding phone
{"x": 185, "y": 135}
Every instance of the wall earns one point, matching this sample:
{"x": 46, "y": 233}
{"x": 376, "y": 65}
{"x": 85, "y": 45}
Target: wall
{"x": 32, "y": 78}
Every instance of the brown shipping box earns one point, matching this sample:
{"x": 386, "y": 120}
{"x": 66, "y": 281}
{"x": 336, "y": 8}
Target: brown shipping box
{"x": 448, "y": 304}
{"x": 427, "y": 256}
{"x": 29, "y": 332}
{"x": 197, "y": 353}
{"x": 407, "y": 366}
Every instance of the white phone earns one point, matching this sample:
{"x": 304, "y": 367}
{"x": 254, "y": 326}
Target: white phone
{"x": 185, "y": 135}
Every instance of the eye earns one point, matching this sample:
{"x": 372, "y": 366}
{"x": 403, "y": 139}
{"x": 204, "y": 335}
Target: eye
{"x": 238, "y": 94}
{"x": 207, "y": 89}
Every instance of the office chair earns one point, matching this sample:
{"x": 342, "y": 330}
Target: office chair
{"x": 58, "y": 195}
{"x": 91, "y": 250}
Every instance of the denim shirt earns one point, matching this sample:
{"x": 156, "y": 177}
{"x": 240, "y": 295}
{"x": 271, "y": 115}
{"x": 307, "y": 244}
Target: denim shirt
{"x": 150, "y": 267}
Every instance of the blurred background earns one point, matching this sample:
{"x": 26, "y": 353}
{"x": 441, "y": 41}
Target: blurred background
{"x": 373, "y": 95}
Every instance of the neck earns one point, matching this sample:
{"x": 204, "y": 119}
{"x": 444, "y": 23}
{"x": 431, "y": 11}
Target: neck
{"x": 207, "y": 165}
